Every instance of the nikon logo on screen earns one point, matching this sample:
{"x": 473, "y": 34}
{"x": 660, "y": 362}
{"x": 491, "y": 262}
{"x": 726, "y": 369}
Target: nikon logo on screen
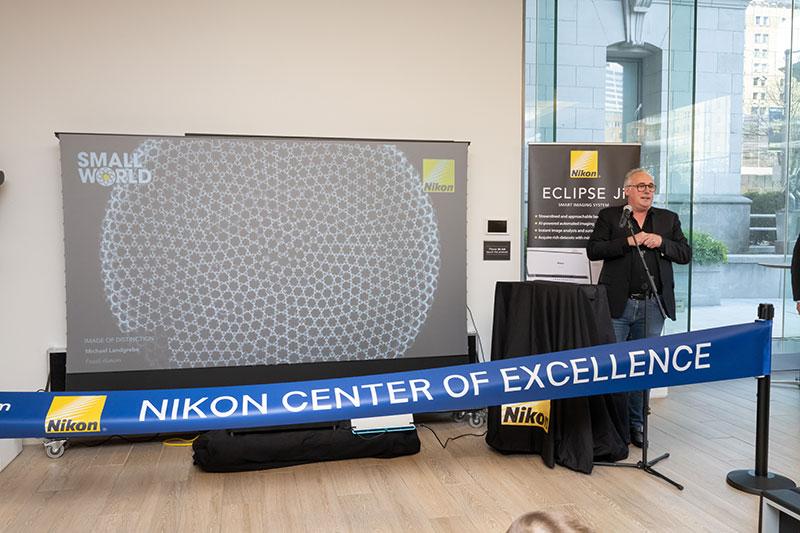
{"x": 438, "y": 175}
{"x": 583, "y": 164}
{"x": 532, "y": 414}
{"x": 5, "y": 407}
{"x": 108, "y": 168}
{"x": 75, "y": 414}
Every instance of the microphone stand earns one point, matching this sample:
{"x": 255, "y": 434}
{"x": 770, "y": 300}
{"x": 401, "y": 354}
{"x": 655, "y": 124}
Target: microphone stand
{"x": 644, "y": 464}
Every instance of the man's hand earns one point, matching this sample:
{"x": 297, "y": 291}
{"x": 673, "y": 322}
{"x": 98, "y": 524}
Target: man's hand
{"x": 798, "y": 306}
{"x": 649, "y": 240}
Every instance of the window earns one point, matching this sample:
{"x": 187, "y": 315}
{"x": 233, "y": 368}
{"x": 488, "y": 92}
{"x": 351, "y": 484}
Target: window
{"x": 713, "y": 121}
{"x": 623, "y": 102}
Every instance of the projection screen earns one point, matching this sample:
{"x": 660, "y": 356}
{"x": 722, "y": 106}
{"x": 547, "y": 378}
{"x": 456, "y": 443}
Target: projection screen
{"x": 210, "y": 251}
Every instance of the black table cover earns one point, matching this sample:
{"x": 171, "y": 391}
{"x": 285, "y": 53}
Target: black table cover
{"x": 539, "y": 317}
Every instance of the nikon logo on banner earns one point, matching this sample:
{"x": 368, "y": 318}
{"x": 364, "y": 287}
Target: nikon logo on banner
{"x": 532, "y": 414}
{"x": 75, "y": 414}
{"x": 583, "y": 164}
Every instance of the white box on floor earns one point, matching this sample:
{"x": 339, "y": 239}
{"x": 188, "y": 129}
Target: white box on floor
{"x": 379, "y": 424}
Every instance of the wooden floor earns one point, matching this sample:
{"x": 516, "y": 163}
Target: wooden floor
{"x": 708, "y": 429}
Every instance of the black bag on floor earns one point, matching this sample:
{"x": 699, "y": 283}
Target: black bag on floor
{"x": 226, "y": 451}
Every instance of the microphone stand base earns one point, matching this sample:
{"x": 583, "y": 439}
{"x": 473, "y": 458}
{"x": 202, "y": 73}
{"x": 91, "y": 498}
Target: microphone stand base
{"x": 646, "y": 467}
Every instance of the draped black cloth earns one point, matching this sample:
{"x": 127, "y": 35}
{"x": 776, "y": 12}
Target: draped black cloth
{"x": 539, "y": 317}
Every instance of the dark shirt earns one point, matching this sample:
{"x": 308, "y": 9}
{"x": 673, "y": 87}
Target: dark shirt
{"x": 639, "y": 281}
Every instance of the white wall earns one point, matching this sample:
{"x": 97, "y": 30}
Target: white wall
{"x": 423, "y": 69}
{"x": 9, "y": 449}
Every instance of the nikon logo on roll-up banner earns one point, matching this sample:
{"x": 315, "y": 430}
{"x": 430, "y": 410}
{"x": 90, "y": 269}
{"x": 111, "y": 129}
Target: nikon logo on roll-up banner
{"x": 583, "y": 164}
{"x": 75, "y": 414}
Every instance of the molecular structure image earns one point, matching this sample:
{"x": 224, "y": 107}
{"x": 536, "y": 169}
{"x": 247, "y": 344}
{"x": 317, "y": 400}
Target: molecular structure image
{"x": 249, "y": 251}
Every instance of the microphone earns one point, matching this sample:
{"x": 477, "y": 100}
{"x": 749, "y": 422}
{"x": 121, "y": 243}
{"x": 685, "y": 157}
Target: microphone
{"x": 626, "y": 214}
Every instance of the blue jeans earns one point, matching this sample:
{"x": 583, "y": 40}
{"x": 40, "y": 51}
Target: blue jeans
{"x": 641, "y": 319}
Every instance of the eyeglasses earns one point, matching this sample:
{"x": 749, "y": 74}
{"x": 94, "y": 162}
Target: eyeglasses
{"x": 641, "y": 187}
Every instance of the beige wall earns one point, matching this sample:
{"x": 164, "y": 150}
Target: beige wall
{"x": 423, "y": 69}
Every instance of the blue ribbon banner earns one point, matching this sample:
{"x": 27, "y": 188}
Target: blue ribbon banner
{"x": 708, "y": 355}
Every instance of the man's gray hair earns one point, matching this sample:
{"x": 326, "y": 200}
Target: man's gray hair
{"x": 630, "y": 173}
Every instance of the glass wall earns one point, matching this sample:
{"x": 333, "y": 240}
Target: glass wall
{"x": 710, "y": 89}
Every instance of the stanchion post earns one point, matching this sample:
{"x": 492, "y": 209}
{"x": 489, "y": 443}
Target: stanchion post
{"x": 761, "y": 479}
{"x": 762, "y": 426}
{"x": 765, "y": 312}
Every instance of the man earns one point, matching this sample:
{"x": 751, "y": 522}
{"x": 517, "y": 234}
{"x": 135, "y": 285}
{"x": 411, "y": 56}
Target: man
{"x": 634, "y": 310}
{"x": 796, "y": 274}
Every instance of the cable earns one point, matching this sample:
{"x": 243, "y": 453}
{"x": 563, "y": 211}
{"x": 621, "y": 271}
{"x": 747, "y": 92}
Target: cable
{"x": 447, "y": 441}
{"x": 371, "y": 435}
{"x": 482, "y": 355}
{"x": 178, "y": 442}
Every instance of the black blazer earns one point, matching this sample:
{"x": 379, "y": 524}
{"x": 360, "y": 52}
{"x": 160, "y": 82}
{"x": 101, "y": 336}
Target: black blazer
{"x": 796, "y": 271}
{"x": 609, "y": 242}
